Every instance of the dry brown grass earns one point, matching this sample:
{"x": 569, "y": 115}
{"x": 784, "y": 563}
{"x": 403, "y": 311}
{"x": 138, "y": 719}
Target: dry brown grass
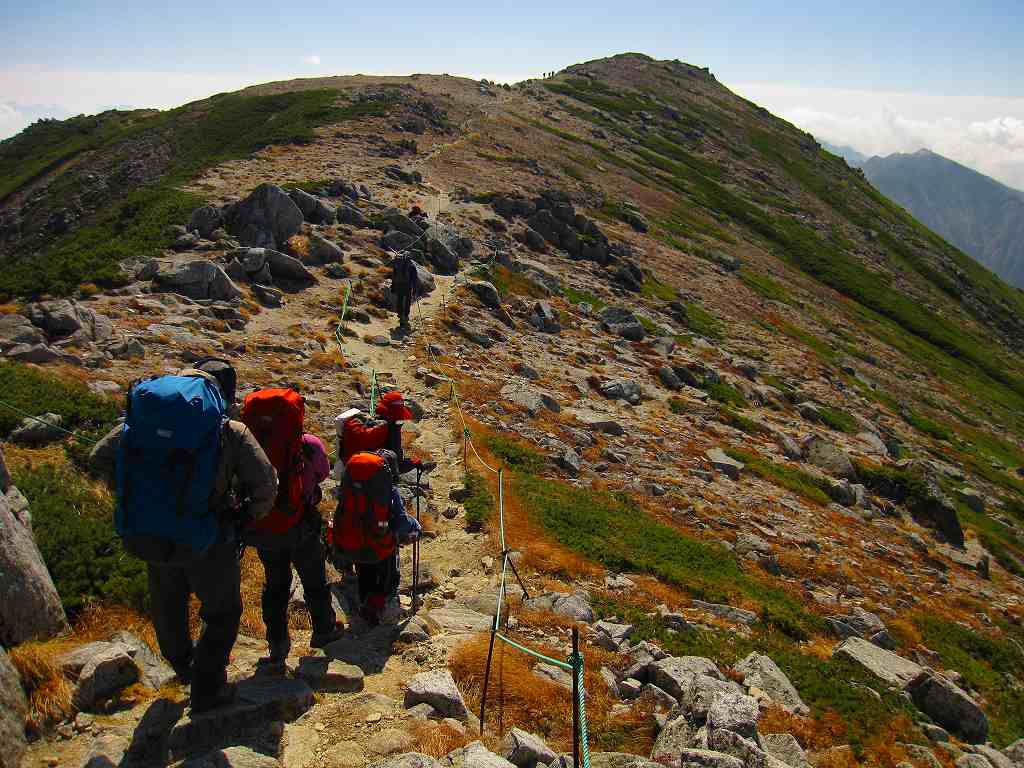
{"x": 814, "y": 733}
{"x": 298, "y": 246}
{"x": 10, "y": 309}
{"x": 48, "y": 691}
{"x": 86, "y": 290}
{"x": 517, "y": 697}
{"x": 438, "y": 739}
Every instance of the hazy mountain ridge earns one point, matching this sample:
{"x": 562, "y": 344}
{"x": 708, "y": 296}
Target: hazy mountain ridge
{"x": 982, "y": 217}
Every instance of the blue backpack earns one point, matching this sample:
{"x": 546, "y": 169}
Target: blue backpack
{"x": 167, "y": 462}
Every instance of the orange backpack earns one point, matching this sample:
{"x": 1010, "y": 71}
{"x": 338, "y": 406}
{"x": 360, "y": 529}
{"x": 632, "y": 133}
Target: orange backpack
{"x": 361, "y": 527}
{"x": 360, "y": 436}
{"x": 275, "y": 417}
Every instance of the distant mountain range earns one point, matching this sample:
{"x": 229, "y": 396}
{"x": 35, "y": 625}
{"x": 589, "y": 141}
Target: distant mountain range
{"x": 980, "y": 216}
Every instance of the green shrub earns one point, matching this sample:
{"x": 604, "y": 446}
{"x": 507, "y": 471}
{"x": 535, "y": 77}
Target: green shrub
{"x": 724, "y": 393}
{"x": 653, "y": 288}
{"x": 517, "y": 455}
{"x": 839, "y": 420}
{"x": 702, "y": 322}
{"x": 741, "y": 422}
{"x": 765, "y": 286}
{"x": 612, "y": 530}
{"x": 574, "y": 296}
{"x": 479, "y": 504}
{"x": 796, "y": 480}
{"x": 677, "y": 405}
{"x": 37, "y": 392}
{"x": 927, "y": 426}
{"x": 74, "y": 529}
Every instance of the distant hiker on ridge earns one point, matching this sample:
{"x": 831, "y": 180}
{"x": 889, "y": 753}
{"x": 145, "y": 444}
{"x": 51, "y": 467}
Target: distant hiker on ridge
{"x": 405, "y": 285}
{"x": 187, "y": 478}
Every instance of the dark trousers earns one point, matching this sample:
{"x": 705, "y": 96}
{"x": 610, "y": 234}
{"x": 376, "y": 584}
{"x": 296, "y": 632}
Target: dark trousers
{"x": 307, "y": 555}
{"x": 214, "y": 578}
{"x": 404, "y": 300}
{"x": 377, "y": 580}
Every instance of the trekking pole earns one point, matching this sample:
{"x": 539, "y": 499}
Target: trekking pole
{"x": 416, "y": 548}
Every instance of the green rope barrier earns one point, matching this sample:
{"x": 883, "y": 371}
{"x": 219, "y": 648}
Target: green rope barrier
{"x": 581, "y": 696}
{"x": 344, "y": 304}
{"x": 536, "y": 654}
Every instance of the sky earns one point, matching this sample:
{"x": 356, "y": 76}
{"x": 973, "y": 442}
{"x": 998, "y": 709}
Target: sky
{"x": 881, "y": 77}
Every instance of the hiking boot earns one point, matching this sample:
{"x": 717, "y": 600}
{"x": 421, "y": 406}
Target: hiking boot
{"x": 320, "y": 639}
{"x": 223, "y": 697}
{"x": 392, "y": 613}
{"x": 370, "y": 615}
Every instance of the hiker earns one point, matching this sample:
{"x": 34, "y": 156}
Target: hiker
{"x": 290, "y": 535}
{"x": 187, "y": 478}
{"x": 355, "y": 434}
{"x": 419, "y": 216}
{"x": 367, "y": 525}
{"x": 405, "y": 285}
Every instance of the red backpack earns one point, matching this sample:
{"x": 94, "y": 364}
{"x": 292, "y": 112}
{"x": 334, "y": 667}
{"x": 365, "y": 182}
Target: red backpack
{"x": 361, "y": 527}
{"x": 360, "y": 437}
{"x": 275, "y": 417}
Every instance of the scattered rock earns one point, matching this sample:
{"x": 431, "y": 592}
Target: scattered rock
{"x": 784, "y": 747}
{"x": 761, "y": 672}
{"x": 266, "y": 218}
{"x": 948, "y": 705}
{"x": 13, "y": 706}
{"x": 487, "y": 293}
{"x": 727, "y": 612}
{"x": 38, "y": 431}
{"x": 437, "y": 689}
{"x": 826, "y": 455}
{"x": 885, "y": 665}
{"x": 154, "y": 672}
{"x": 675, "y": 674}
{"x": 724, "y": 463}
{"x": 524, "y": 750}
{"x": 232, "y": 757}
{"x": 325, "y": 674}
{"x": 198, "y": 279}
{"x": 104, "y": 673}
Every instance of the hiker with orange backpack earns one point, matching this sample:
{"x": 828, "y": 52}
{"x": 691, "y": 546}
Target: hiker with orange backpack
{"x": 290, "y": 536}
{"x": 369, "y": 524}
{"x": 186, "y": 476}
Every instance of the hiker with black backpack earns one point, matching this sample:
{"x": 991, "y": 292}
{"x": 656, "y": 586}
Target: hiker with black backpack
{"x": 405, "y": 286}
{"x": 290, "y": 536}
{"x": 187, "y": 478}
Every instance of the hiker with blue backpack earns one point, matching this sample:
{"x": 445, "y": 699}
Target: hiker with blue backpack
{"x": 187, "y": 479}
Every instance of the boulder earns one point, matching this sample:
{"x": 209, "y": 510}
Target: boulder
{"x": 949, "y": 706}
{"x": 612, "y": 636}
{"x": 873, "y": 445}
{"x": 826, "y": 455}
{"x": 545, "y": 318}
{"x": 734, "y": 712}
{"x": 314, "y": 210}
{"x": 724, "y": 463}
{"x": 475, "y": 755}
{"x": 287, "y": 268}
{"x": 396, "y": 240}
{"x": 33, "y": 353}
{"x": 861, "y": 623}
{"x": 105, "y": 672}
{"x": 408, "y": 760}
{"x": 13, "y": 707}
{"x": 268, "y": 296}
{"x": 524, "y": 750}
{"x": 441, "y": 257}
{"x": 727, "y": 612}
{"x": 675, "y": 674}
{"x": 30, "y": 608}
{"x": 38, "y": 431}
{"x": 975, "y": 500}
{"x": 232, "y": 757}
{"x": 126, "y": 349}
{"x": 761, "y": 672}
{"x": 571, "y": 462}
{"x": 487, "y": 293}
{"x": 621, "y": 389}
{"x": 783, "y": 747}
{"x": 669, "y": 379}
{"x": 18, "y": 329}
{"x": 349, "y": 214}
{"x": 326, "y": 674}
{"x": 702, "y": 694}
{"x": 323, "y": 251}
{"x": 204, "y": 220}
{"x": 677, "y": 735}
{"x": 885, "y": 665}
{"x": 732, "y": 743}
{"x": 1016, "y": 752}
{"x": 198, "y": 279}
{"x": 790, "y": 448}
{"x": 154, "y": 672}
{"x": 438, "y": 689}
{"x": 266, "y": 218}
{"x": 994, "y": 756}
{"x": 64, "y": 318}
{"x": 705, "y": 758}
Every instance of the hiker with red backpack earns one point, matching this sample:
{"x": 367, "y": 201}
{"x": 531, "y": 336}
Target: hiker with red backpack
{"x": 186, "y": 477}
{"x": 290, "y": 535}
{"x": 369, "y": 525}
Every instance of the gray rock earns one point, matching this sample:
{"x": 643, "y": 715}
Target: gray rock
{"x": 198, "y": 279}
{"x": 732, "y": 743}
{"x": 287, "y": 268}
{"x": 126, "y": 349}
{"x": 826, "y": 455}
{"x": 677, "y": 735}
{"x": 948, "y": 705}
{"x": 727, "y": 612}
{"x": 621, "y": 389}
{"x": 475, "y": 755}
{"x": 597, "y": 421}
{"x": 571, "y": 462}
{"x": 672, "y": 619}
{"x": 408, "y": 760}
{"x": 574, "y": 606}
{"x": 724, "y": 463}
{"x": 414, "y": 630}
{"x": 1016, "y": 752}
{"x": 885, "y": 665}
{"x": 783, "y": 747}
{"x": 458, "y": 620}
{"x": 972, "y": 761}
{"x": 314, "y": 210}
{"x": 524, "y": 750}
{"x": 349, "y": 214}
{"x": 612, "y": 636}
{"x": 437, "y": 689}
{"x": 873, "y": 444}
{"x": 861, "y": 623}
{"x": 38, "y": 431}
{"x": 487, "y": 293}
{"x": 994, "y": 756}
{"x": 669, "y": 378}
{"x": 657, "y": 696}
{"x": 630, "y": 689}
{"x": 267, "y": 295}
{"x": 30, "y": 608}
{"x": 105, "y": 672}
{"x": 13, "y": 707}
{"x": 323, "y": 251}
{"x": 975, "y": 500}
{"x": 33, "y": 353}
{"x": 545, "y": 318}
{"x": 704, "y": 758}
{"x": 232, "y": 757}
{"x": 734, "y": 712}
{"x": 331, "y": 675}
{"x": 675, "y": 674}
{"x": 761, "y": 672}
{"x": 702, "y": 694}
{"x": 17, "y": 329}
{"x": 266, "y": 218}
{"x": 530, "y": 399}
{"x": 154, "y": 672}
{"x": 204, "y": 220}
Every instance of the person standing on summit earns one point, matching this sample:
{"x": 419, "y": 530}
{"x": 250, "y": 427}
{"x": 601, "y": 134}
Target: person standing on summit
{"x": 187, "y": 479}
{"x": 405, "y": 285}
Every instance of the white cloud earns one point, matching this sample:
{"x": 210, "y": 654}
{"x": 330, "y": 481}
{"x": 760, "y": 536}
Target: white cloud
{"x": 312, "y": 59}
{"x": 984, "y": 133}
